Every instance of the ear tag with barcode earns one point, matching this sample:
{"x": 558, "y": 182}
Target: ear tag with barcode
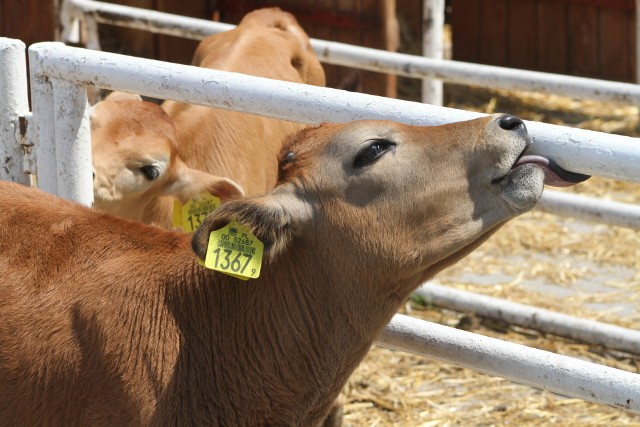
{"x": 236, "y": 251}
{"x": 190, "y": 215}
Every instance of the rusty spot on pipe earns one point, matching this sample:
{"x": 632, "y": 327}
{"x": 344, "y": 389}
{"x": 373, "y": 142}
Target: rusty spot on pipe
{"x": 23, "y": 126}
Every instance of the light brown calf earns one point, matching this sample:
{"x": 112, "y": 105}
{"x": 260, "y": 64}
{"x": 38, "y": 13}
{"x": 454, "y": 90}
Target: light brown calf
{"x": 137, "y": 170}
{"x": 267, "y": 43}
{"x": 110, "y": 321}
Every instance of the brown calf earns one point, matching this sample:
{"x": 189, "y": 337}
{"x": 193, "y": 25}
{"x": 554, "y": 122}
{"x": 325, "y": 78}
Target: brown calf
{"x": 137, "y": 169}
{"x": 267, "y": 43}
{"x": 109, "y": 321}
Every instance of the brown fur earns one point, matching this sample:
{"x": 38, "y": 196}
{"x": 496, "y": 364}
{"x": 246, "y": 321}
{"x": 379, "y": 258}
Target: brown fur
{"x": 267, "y": 43}
{"x": 106, "y": 321}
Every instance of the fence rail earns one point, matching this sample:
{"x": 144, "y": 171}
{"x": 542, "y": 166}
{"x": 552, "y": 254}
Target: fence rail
{"x": 521, "y": 364}
{"x": 589, "y": 331}
{"x": 577, "y": 150}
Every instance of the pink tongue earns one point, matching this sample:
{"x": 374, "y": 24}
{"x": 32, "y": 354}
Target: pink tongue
{"x": 550, "y": 177}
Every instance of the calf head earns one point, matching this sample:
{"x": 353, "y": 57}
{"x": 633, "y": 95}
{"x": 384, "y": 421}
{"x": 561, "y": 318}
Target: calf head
{"x": 406, "y": 200}
{"x": 135, "y": 159}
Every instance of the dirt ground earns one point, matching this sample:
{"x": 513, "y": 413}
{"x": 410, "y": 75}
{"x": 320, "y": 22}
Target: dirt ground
{"x": 578, "y": 268}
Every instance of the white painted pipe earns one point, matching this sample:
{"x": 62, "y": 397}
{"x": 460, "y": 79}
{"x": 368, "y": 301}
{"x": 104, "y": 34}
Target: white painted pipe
{"x": 432, "y": 47}
{"x": 547, "y": 321}
{"x": 43, "y": 122}
{"x": 14, "y": 102}
{"x": 590, "y": 209}
{"x": 145, "y": 19}
{"x": 576, "y": 150}
{"x": 378, "y": 60}
{"x": 73, "y": 142}
{"x": 518, "y": 363}
{"x": 476, "y": 74}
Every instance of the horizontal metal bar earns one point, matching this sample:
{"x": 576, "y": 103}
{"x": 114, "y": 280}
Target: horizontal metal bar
{"x": 379, "y": 60}
{"x": 590, "y": 209}
{"x": 145, "y": 19}
{"x": 577, "y": 150}
{"x": 588, "y": 331}
{"x": 537, "y": 368}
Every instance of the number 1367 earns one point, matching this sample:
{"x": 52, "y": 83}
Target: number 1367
{"x": 224, "y": 261}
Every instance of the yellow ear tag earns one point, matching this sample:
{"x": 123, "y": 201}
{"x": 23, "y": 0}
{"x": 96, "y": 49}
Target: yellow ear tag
{"x": 190, "y": 215}
{"x": 234, "y": 250}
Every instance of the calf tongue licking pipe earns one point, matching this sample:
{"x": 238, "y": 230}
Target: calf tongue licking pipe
{"x": 554, "y": 175}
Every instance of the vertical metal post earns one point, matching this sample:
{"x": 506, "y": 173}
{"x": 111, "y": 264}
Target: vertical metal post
{"x": 432, "y": 47}
{"x": 73, "y": 142}
{"x": 14, "y": 102}
{"x": 69, "y": 31}
{"x": 89, "y": 33}
{"x": 43, "y": 121}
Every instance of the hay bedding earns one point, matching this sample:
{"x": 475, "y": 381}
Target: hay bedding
{"x": 587, "y": 270}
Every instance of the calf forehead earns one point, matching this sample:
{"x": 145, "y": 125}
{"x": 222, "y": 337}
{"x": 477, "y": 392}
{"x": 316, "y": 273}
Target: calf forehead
{"x": 132, "y": 125}
{"x": 331, "y": 145}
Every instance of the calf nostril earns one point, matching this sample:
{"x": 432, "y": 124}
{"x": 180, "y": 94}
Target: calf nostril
{"x": 509, "y": 122}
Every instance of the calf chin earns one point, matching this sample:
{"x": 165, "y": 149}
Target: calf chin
{"x": 523, "y": 187}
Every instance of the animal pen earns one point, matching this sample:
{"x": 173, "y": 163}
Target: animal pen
{"x": 58, "y": 130}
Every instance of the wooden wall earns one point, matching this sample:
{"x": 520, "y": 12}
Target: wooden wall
{"x": 592, "y": 38}
{"x": 31, "y": 21}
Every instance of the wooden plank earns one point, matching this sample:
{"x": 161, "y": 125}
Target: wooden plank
{"x": 631, "y": 35}
{"x": 583, "y": 49}
{"x": 31, "y": 21}
{"x": 138, "y": 43}
{"x": 176, "y": 49}
{"x": 232, "y": 11}
{"x": 521, "y": 27}
{"x": 465, "y": 29}
{"x": 551, "y": 37}
{"x": 614, "y": 53}
{"x": 373, "y": 83}
{"x": 325, "y": 32}
{"x": 493, "y": 32}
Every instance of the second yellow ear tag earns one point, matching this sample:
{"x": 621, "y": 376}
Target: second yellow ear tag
{"x": 234, "y": 250}
{"x": 190, "y": 215}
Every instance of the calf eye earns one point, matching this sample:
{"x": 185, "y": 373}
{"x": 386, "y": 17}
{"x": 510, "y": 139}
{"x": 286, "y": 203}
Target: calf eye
{"x": 373, "y": 152}
{"x": 150, "y": 172}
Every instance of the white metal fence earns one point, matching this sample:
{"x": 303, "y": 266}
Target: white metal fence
{"x": 88, "y": 13}
{"x": 60, "y": 130}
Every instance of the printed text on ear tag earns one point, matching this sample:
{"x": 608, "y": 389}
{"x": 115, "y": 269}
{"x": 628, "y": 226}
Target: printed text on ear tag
{"x": 190, "y": 215}
{"x": 235, "y": 251}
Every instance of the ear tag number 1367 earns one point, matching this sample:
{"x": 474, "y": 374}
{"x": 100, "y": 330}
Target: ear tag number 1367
{"x": 234, "y": 250}
{"x": 190, "y": 215}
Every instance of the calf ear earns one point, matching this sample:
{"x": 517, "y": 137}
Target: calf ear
{"x": 192, "y": 182}
{"x": 274, "y": 219}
